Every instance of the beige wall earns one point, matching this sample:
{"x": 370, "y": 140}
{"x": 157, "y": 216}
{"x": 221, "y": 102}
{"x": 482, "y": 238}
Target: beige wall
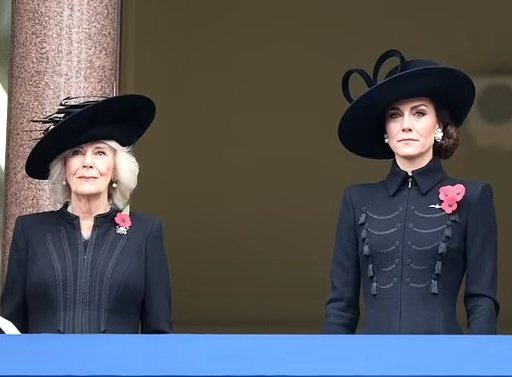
{"x": 243, "y": 163}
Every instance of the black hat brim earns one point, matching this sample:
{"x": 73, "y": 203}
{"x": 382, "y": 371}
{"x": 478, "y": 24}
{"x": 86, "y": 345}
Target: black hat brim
{"x": 362, "y": 126}
{"x": 123, "y": 119}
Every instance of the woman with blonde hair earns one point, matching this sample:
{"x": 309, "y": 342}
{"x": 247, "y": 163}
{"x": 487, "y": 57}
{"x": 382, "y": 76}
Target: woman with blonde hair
{"x": 91, "y": 266}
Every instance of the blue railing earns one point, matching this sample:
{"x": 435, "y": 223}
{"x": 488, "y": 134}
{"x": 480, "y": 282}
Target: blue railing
{"x": 254, "y": 355}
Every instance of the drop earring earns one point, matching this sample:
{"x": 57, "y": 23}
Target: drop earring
{"x": 386, "y": 139}
{"x": 438, "y": 135}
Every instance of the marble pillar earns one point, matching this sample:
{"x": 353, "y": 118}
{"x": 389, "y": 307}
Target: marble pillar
{"x": 59, "y": 48}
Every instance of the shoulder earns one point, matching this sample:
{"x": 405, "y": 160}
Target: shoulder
{"x": 478, "y": 198}
{"x": 143, "y": 217}
{"x": 148, "y": 229}
{"x": 145, "y": 221}
{"x": 365, "y": 189}
{"x": 473, "y": 189}
{"x": 357, "y": 197}
{"x": 37, "y": 218}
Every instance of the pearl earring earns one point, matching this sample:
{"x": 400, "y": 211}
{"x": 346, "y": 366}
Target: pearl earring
{"x": 64, "y": 183}
{"x": 386, "y": 139}
{"x": 438, "y": 135}
{"x": 114, "y": 184}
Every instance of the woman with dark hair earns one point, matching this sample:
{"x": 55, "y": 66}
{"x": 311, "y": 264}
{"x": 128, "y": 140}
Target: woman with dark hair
{"x": 91, "y": 266}
{"x": 409, "y": 241}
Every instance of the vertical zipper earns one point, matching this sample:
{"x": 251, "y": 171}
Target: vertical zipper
{"x": 81, "y": 325}
{"x": 86, "y": 328}
{"x": 406, "y": 207}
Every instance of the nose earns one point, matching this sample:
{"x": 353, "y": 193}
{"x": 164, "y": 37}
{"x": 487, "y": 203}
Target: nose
{"x": 406, "y": 124}
{"x": 87, "y": 161}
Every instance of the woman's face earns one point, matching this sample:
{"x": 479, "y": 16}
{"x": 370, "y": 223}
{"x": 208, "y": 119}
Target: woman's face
{"x": 410, "y": 127}
{"x": 90, "y": 169}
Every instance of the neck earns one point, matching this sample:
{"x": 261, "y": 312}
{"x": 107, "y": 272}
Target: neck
{"x": 88, "y": 207}
{"x": 411, "y": 164}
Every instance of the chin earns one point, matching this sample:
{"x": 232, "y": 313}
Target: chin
{"x": 407, "y": 154}
{"x": 88, "y": 191}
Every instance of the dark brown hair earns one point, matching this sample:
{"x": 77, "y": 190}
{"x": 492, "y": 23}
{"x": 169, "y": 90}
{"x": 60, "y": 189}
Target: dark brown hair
{"x": 450, "y": 142}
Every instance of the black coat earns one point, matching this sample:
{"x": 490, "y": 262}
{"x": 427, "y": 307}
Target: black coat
{"x": 113, "y": 283}
{"x": 410, "y": 257}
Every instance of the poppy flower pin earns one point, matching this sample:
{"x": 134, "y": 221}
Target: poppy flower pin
{"x": 123, "y": 221}
{"x": 450, "y": 196}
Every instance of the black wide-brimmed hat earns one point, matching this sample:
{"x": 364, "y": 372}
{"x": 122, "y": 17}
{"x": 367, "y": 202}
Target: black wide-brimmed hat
{"x": 122, "y": 118}
{"x": 362, "y": 126}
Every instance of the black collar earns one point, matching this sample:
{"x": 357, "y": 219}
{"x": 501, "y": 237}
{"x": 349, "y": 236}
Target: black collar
{"x": 425, "y": 177}
{"x": 98, "y": 219}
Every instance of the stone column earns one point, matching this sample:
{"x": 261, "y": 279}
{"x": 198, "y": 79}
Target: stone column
{"x": 59, "y": 48}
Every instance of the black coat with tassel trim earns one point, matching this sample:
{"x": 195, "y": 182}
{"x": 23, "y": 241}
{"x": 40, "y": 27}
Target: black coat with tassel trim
{"x": 408, "y": 251}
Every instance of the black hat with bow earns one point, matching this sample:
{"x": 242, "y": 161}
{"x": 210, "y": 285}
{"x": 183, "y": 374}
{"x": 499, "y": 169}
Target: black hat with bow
{"x": 362, "y": 126}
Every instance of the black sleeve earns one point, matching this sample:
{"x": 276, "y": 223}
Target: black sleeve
{"x": 13, "y": 303}
{"x": 156, "y": 310}
{"x": 342, "y": 308}
{"x": 481, "y": 262}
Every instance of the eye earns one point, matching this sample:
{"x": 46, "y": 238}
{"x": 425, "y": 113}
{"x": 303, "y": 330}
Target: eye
{"x": 101, "y": 153}
{"x": 393, "y": 114}
{"x": 75, "y": 152}
{"x": 420, "y": 113}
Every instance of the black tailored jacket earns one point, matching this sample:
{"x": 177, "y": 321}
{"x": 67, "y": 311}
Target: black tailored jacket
{"x": 409, "y": 257}
{"x": 113, "y": 283}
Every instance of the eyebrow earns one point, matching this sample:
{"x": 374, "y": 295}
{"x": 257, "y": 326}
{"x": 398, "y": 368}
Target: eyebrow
{"x": 96, "y": 147}
{"x": 419, "y": 105}
{"x": 412, "y": 107}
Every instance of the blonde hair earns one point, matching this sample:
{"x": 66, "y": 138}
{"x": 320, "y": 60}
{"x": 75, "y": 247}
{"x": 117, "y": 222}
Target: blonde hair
{"x": 126, "y": 171}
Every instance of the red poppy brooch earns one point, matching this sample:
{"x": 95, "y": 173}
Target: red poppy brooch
{"x": 123, "y": 221}
{"x": 450, "y": 196}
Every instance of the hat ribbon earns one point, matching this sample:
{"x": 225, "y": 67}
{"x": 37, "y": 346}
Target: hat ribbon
{"x": 370, "y": 81}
